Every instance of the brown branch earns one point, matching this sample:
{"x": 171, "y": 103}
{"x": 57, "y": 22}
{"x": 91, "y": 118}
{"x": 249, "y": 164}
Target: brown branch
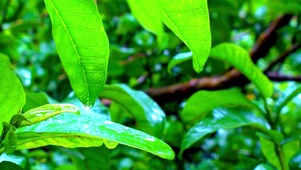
{"x": 179, "y": 92}
{"x": 275, "y": 76}
{"x": 282, "y": 57}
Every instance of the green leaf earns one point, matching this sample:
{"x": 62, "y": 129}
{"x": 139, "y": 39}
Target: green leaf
{"x": 222, "y": 119}
{"x": 286, "y": 97}
{"x": 143, "y": 11}
{"x": 87, "y": 130}
{"x": 37, "y": 99}
{"x": 10, "y": 141}
{"x": 10, "y": 166}
{"x": 189, "y": 20}
{"x": 47, "y": 111}
{"x": 202, "y": 102}
{"x": 177, "y": 59}
{"x": 82, "y": 45}
{"x": 268, "y": 150}
{"x": 289, "y": 150}
{"x": 240, "y": 59}
{"x": 149, "y": 116}
{"x": 93, "y": 158}
{"x": 12, "y": 96}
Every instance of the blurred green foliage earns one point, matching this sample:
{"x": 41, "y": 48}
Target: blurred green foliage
{"x": 136, "y": 59}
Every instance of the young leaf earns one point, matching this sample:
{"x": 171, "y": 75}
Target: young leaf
{"x": 240, "y": 59}
{"x": 222, "y": 119}
{"x": 287, "y": 96}
{"x": 71, "y": 130}
{"x": 189, "y": 20}
{"x": 12, "y": 96}
{"x": 47, "y": 111}
{"x": 202, "y": 102}
{"x": 143, "y": 11}
{"x": 82, "y": 45}
{"x": 147, "y": 113}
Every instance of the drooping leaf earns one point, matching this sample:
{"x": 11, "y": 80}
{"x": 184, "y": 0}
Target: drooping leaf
{"x": 87, "y": 130}
{"x": 47, "y": 111}
{"x": 177, "y": 59}
{"x": 240, "y": 59}
{"x": 287, "y": 96}
{"x": 268, "y": 150}
{"x": 82, "y": 45}
{"x": 189, "y": 20}
{"x": 12, "y": 96}
{"x": 143, "y": 11}
{"x": 147, "y": 113}
{"x": 202, "y": 102}
{"x": 37, "y": 99}
{"x": 222, "y": 118}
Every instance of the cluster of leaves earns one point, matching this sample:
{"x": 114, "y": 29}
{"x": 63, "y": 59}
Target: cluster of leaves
{"x": 64, "y": 96}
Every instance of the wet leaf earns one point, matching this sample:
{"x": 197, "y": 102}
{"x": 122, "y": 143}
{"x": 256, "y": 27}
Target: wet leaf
{"x": 47, "y": 111}
{"x": 82, "y": 45}
{"x": 87, "y": 130}
{"x": 203, "y": 102}
{"x": 149, "y": 116}
{"x": 222, "y": 118}
{"x": 189, "y": 20}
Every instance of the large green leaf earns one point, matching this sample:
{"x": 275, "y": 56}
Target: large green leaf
{"x": 143, "y": 11}
{"x": 12, "y": 96}
{"x": 222, "y": 118}
{"x": 189, "y": 20}
{"x": 240, "y": 59}
{"x": 82, "y": 45}
{"x": 202, "y": 102}
{"x": 87, "y": 130}
{"x": 287, "y": 96}
{"x": 149, "y": 116}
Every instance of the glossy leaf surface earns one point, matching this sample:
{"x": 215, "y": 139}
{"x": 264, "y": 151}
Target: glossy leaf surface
{"x": 87, "y": 130}
{"x": 12, "y": 96}
{"x": 189, "y": 20}
{"x": 221, "y": 119}
{"x": 240, "y": 59}
{"x": 47, "y": 111}
{"x": 202, "y": 102}
{"x": 147, "y": 113}
{"x": 82, "y": 45}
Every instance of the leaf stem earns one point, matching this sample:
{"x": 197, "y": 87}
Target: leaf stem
{"x": 269, "y": 115}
